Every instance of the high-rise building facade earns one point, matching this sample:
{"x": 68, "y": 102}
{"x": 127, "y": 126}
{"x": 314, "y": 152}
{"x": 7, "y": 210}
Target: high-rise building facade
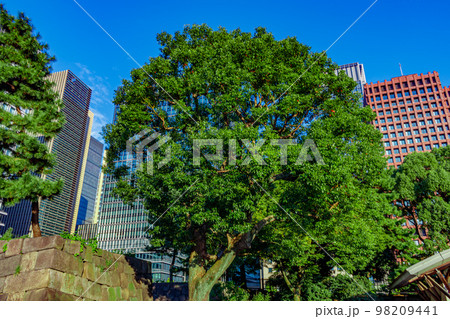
{"x": 412, "y": 114}
{"x": 124, "y": 228}
{"x": 88, "y": 195}
{"x": 357, "y": 73}
{"x": 59, "y": 214}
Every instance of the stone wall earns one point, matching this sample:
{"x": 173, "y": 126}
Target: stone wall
{"x": 53, "y": 268}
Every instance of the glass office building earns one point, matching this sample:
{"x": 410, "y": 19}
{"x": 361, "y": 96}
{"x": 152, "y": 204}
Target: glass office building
{"x": 86, "y": 208}
{"x": 58, "y": 215}
{"x": 124, "y": 228}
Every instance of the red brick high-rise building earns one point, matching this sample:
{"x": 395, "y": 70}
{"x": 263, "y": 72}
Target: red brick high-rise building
{"x": 413, "y": 114}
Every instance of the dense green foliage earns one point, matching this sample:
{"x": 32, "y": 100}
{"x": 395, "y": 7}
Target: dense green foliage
{"x": 24, "y": 155}
{"x": 420, "y": 188}
{"x": 251, "y": 88}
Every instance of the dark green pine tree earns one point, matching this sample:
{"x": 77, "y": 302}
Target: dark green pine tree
{"x": 30, "y": 116}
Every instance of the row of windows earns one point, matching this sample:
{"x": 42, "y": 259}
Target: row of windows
{"x": 404, "y": 150}
{"x": 404, "y": 84}
{"x": 405, "y": 94}
{"x": 417, "y": 139}
{"x": 415, "y": 132}
{"x": 412, "y": 116}
{"x": 413, "y": 124}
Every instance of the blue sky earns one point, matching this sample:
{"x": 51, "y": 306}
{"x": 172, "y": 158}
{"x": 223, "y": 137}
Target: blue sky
{"x": 414, "y": 33}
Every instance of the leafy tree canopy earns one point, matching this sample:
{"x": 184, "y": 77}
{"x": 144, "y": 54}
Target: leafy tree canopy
{"x": 246, "y": 90}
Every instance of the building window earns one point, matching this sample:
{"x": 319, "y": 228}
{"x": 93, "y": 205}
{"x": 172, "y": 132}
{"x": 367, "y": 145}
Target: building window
{"x": 408, "y": 133}
{"x": 387, "y": 144}
{"x": 404, "y": 150}
{"x": 426, "y": 139}
{"x": 385, "y": 136}
{"x": 414, "y": 92}
{"x": 391, "y": 127}
{"x": 402, "y": 142}
{"x": 389, "y": 119}
{"x": 419, "y": 148}
{"x": 410, "y": 140}
{"x": 388, "y": 152}
{"x": 390, "y": 160}
{"x": 421, "y": 123}
{"x": 434, "y": 138}
{"x": 436, "y": 145}
{"x": 416, "y": 132}
{"x": 393, "y": 135}
{"x": 398, "y": 159}
{"x": 384, "y": 128}
{"x": 396, "y": 151}
{"x": 424, "y": 131}
{"x": 412, "y": 149}
{"x": 394, "y": 143}
{"x": 428, "y": 147}
{"x": 400, "y": 134}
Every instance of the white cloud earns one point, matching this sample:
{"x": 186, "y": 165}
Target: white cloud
{"x": 101, "y": 98}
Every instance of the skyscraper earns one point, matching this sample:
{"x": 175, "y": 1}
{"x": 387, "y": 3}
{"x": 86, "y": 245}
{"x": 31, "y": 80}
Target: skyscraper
{"x": 356, "y": 72}
{"x": 88, "y": 195}
{"x": 59, "y": 214}
{"x": 125, "y": 228}
{"x": 412, "y": 113}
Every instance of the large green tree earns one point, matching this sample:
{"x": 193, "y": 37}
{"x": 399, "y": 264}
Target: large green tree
{"x": 246, "y": 90}
{"x": 30, "y": 115}
{"x": 420, "y": 190}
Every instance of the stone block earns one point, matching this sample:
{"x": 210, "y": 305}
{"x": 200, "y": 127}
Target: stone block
{"x": 28, "y": 261}
{"x": 112, "y": 294}
{"x": 47, "y": 294}
{"x": 104, "y": 278}
{"x": 42, "y": 243}
{"x": 104, "y": 293}
{"x": 3, "y": 297}
{"x": 14, "y": 247}
{"x": 2, "y": 254}
{"x": 87, "y": 254}
{"x": 128, "y": 269}
{"x": 68, "y": 284}
{"x": 125, "y": 294}
{"x": 9, "y": 265}
{"x": 89, "y": 272}
{"x": 80, "y": 286}
{"x": 99, "y": 261}
{"x": 94, "y": 291}
{"x": 17, "y": 296}
{"x": 2, "y": 283}
{"x": 139, "y": 294}
{"x": 99, "y": 253}
{"x": 125, "y": 280}
{"x": 56, "y": 279}
{"x": 72, "y": 247}
{"x": 27, "y": 281}
{"x": 59, "y": 260}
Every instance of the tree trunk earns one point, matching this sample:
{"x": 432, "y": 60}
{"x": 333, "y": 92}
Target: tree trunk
{"x": 201, "y": 281}
{"x": 35, "y": 219}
